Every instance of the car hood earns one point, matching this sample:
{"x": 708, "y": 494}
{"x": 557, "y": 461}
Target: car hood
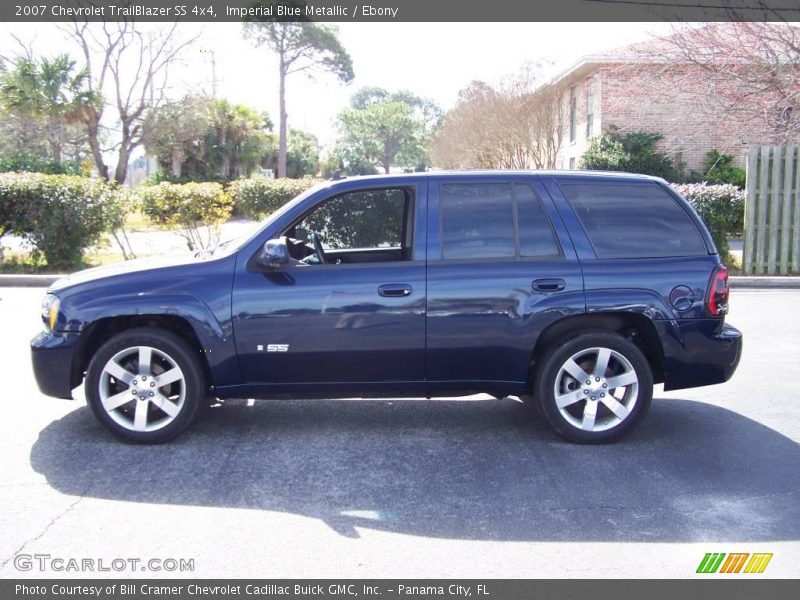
{"x": 124, "y": 268}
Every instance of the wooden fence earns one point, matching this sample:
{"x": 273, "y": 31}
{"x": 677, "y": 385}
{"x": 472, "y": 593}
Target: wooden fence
{"x": 772, "y": 211}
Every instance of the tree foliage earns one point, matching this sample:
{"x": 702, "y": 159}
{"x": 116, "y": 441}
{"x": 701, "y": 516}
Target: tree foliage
{"x": 127, "y": 69}
{"x": 300, "y": 47}
{"x": 633, "y": 152}
{"x": 744, "y": 75}
{"x": 200, "y": 139}
{"x": 517, "y": 125}
{"x": 385, "y": 129}
{"x": 43, "y": 103}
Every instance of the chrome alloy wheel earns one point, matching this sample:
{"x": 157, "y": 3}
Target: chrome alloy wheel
{"x": 142, "y": 388}
{"x": 596, "y": 389}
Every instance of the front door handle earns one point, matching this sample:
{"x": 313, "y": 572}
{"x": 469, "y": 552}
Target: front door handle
{"x": 548, "y": 285}
{"x": 395, "y": 290}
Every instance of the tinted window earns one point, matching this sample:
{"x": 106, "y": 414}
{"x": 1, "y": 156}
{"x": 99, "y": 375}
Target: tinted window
{"x": 477, "y": 220}
{"x": 633, "y": 220}
{"x": 536, "y": 237}
{"x": 365, "y": 219}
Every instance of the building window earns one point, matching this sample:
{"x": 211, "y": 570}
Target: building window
{"x": 589, "y": 110}
{"x": 572, "y": 164}
{"x": 573, "y": 113}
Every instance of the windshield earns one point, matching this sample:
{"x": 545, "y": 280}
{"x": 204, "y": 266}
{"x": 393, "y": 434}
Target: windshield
{"x": 250, "y": 230}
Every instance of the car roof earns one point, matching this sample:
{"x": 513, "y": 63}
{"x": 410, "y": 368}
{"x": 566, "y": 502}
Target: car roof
{"x": 610, "y": 175}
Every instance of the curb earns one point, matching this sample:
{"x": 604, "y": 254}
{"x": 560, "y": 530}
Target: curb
{"x": 764, "y": 283}
{"x": 741, "y": 282}
{"x": 23, "y": 280}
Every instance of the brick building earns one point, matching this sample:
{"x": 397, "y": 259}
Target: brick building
{"x": 625, "y": 89}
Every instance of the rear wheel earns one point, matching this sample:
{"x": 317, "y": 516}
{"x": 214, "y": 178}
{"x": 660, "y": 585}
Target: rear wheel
{"x": 145, "y": 385}
{"x": 595, "y": 387}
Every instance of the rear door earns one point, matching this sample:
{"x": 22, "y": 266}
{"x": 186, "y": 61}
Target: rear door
{"x": 501, "y": 268}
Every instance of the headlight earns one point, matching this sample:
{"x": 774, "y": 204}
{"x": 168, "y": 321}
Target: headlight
{"x": 50, "y": 306}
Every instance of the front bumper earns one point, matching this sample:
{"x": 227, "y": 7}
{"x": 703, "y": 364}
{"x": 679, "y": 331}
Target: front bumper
{"x": 698, "y": 352}
{"x": 52, "y": 353}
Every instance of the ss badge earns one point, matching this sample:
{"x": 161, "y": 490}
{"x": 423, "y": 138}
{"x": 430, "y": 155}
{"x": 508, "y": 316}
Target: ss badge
{"x": 277, "y": 347}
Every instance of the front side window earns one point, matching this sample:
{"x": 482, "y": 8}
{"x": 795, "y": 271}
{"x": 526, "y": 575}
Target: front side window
{"x": 633, "y": 221}
{"x": 361, "y": 226}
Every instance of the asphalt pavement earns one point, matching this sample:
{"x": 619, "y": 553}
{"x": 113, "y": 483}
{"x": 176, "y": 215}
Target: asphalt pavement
{"x": 453, "y": 487}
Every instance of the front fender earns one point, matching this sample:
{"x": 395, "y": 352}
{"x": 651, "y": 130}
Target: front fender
{"x": 214, "y": 334}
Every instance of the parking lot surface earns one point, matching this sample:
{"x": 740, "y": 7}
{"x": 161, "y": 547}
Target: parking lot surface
{"x": 459, "y": 487}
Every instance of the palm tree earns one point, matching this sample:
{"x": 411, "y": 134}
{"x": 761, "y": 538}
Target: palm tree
{"x": 50, "y": 91}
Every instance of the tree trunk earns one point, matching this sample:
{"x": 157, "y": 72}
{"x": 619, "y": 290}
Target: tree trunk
{"x": 177, "y": 162}
{"x": 386, "y": 161}
{"x": 282, "y": 135}
{"x": 92, "y": 128}
{"x": 121, "y": 172}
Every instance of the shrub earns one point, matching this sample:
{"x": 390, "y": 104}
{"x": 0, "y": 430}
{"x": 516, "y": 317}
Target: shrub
{"x": 721, "y": 207}
{"x": 633, "y": 152}
{"x": 30, "y": 163}
{"x": 719, "y": 168}
{"x": 60, "y": 215}
{"x": 258, "y": 197}
{"x": 189, "y": 208}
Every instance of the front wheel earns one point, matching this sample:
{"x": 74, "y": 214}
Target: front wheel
{"x": 595, "y": 387}
{"x": 145, "y": 385}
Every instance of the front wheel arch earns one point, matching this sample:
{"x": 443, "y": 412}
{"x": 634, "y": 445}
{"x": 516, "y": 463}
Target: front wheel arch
{"x": 170, "y": 397}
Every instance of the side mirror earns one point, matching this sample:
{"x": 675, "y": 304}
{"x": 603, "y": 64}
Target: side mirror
{"x": 275, "y": 253}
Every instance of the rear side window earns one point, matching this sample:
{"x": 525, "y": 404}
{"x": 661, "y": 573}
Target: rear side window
{"x": 477, "y": 220}
{"x": 633, "y": 221}
{"x": 536, "y": 236}
{"x": 494, "y": 220}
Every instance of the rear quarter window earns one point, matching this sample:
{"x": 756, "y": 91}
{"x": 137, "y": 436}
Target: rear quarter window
{"x": 633, "y": 221}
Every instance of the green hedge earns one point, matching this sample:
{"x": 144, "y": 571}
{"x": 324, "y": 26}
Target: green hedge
{"x": 188, "y": 207}
{"x": 721, "y": 206}
{"x": 258, "y": 197}
{"x": 60, "y": 215}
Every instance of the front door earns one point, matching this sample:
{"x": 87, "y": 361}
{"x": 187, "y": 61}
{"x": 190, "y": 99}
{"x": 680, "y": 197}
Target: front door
{"x": 350, "y": 308}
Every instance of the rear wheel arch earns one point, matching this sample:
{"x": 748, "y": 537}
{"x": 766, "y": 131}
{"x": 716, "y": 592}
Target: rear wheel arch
{"x": 634, "y": 327}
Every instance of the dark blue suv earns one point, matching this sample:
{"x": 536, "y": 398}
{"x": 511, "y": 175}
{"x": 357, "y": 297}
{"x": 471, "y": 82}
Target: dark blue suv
{"x": 575, "y": 292}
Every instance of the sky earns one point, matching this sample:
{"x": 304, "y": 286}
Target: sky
{"x": 435, "y": 60}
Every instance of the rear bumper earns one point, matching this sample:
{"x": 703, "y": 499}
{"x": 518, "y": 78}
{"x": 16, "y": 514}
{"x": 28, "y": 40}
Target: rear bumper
{"x": 698, "y": 352}
{"x": 51, "y": 354}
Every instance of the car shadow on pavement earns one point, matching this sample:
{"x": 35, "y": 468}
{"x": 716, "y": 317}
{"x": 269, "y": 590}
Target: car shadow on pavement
{"x": 459, "y": 469}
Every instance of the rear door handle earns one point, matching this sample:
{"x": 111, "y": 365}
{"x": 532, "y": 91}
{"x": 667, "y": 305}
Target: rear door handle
{"x": 395, "y": 290}
{"x": 548, "y": 285}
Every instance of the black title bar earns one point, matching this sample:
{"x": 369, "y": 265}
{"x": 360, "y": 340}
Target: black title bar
{"x": 392, "y": 589}
{"x": 399, "y": 10}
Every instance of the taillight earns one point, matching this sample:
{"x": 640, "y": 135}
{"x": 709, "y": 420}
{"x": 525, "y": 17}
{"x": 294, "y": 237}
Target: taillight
{"x": 718, "y": 293}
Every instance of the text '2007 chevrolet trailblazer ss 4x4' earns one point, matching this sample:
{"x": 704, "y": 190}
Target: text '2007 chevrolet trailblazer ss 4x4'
{"x": 574, "y": 291}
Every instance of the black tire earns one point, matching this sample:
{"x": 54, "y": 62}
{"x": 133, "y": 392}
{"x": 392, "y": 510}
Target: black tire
{"x": 549, "y": 369}
{"x": 192, "y": 384}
